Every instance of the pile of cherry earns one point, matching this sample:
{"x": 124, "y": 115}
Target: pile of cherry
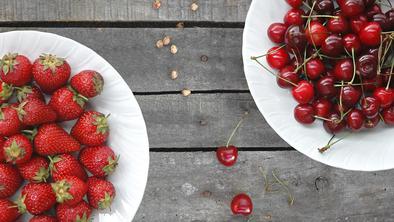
{"x": 337, "y": 58}
{"x": 35, "y": 149}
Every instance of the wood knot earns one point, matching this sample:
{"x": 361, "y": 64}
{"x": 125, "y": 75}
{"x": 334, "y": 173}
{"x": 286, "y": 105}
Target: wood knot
{"x": 321, "y": 183}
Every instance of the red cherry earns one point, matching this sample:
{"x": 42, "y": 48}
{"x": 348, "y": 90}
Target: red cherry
{"x": 370, "y": 34}
{"x": 295, "y": 38}
{"x": 351, "y": 7}
{"x": 343, "y": 69}
{"x": 316, "y": 33}
{"x": 384, "y": 96}
{"x": 314, "y": 68}
{"x": 367, "y": 66}
{"x": 351, "y": 41}
{"x": 373, "y": 10}
{"x": 370, "y": 106}
{"x": 304, "y": 113}
{"x": 371, "y": 122}
{"x": 227, "y": 155}
{"x": 350, "y": 95}
{"x": 276, "y": 32}
{"x": 338, "y": 25}
{"x": 388, "y": 115}
{"x": 242, "y": 204}
{"x": 294, "y": 17}
{"x": 322, "y": 107}
{"x": 325, "y": 87}
{"x": 277, "y": 57}
{"x": 357, "y": 22}
{"x": 324, "y": 7}
{"x": 332, "y": 45}
{"x": 355, "y": 119}
{"x": 335, "y": 124}
{"x": 289, "y": 74}
{"x": 294, "y": 3}
{"x": 303, "y": 93}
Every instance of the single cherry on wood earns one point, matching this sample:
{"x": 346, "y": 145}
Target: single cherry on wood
{"x": 242, "y": 205}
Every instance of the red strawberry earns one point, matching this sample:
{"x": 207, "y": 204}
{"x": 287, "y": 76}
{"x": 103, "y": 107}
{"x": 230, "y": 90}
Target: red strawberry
{"x": 91, "y": 129}
{"x": 8, "y": 211}
{"x": 17, "y": 149}
{"x": 5, "y": 92}
{"x": 69, "y": 190}
{"x": 88, "y": 83}
{"x": 15, "y": 69}
{"x": 35, "y": 112}
{"x": 78, "y": 213}
{"x": 43, "y": 218}
{"x": 52, "y": 139}
{"x": 101, "y": 193}
{"x": 36, "y": 198}
{"x": 36, "y": 170}
{"x": 9, "y": 121}
{"x": 10, "y": 180}
{"x": 2, "y": 140}
{"x": 29, "y": 92}
{"x": 51, "y": 72}
{"x": 67, "y": 103}
{"x": 66, "y": 165}
{"x": 100, "y": 160}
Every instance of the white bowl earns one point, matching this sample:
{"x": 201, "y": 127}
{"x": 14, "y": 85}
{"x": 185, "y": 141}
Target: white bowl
{"x": 128, "y": 136}
{"x": 368, "y": 150}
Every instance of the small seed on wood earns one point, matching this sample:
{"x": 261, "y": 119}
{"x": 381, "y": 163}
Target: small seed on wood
{"x": 159, "y": 44}
{"x": 186, "y": 92}
{"x": 174, "y": 74}
{"x": 156, "y": 4}
{"x": 167, "y": 40}
{"x": 174, "y": 49}
{"x": 204, "y": 58}
{"x": 194, "y": 6}
{"x": 206, "y": 193}
{"x": 180, "y": 25}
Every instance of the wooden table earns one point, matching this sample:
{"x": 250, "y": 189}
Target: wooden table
{"x": 185, "y": 181}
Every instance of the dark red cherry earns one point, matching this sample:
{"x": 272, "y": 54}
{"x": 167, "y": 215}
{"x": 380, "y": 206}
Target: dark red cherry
{"x": 371, "y": 84}
{"x": 314, "y": 68}
{"x": 242, "y": 205}
{"x": 295, "y": 38}
{"x": 325, "y": 7}
{"x": 276, "y": 32}
{"x": 351, "y": 7}
{"x": 370, "y": 106}
{"x": 350, "y": 95}
{"x": 388, "y": 115}
{"x": 325, "y": 87}
{"x": 366, "y": 66}
{"x": 382, "y": 20}
{"x": 227, "y": 155}
{"x": 355, "y": 119}
{"x": 332, "y": 46}
{"x": 338, "y": 25}
{"x": 384, "y": 96}
{"x": 343, "y": 69}
{"x": 304, "y": 113}
{"x": 335, "y": 125}
{"x": 303, "y": 93}
{"x": 277, "y": 57}
{"x": 357, "y": 22}
{"x": 294, "y": 17}
{"x": 371, "y": 122}
{"x": 289, "y": 74}
{"x": 322, "y": 107}
{"x": 373, "y": 10}
{"x": 390, "y": 19}
{"x": 316, "y": 33}
{"x": 370, "y": 34}
{"x": 372, "y": 51}
{"x": 351, "y": 41}
{"x": 294, "y": 3}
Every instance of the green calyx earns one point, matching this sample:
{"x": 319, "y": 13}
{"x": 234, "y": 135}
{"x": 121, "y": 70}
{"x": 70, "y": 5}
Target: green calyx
{"x": 42, "y": 175}
{"x": 20, "y": 110}
{"x": 14, "y": 152}
{"x": 20, "y": 203}
{"x": 1, "y": 111}
{"x": 78, "y": 98}
{"x": 8, "y": 62}
{"x": 21, "y": 93}
{"x": 98, "y": 83}
{"x": 30, "y": 133}
{"x": 111, "y": 166}
{"x": 52, "y": 161}
{"x": 61, "y": 188}
{"x": 6, "y": 91}
{"x": 106, "y": 201}
{"x": 50, "y": 61}
{"x": 84, "y": 218}
{"x": 101, "y": 122}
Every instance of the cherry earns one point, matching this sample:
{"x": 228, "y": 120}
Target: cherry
{"x": 316, "y": 33}
{"x": 295, "y": 62}
{"x": 355, "y": 119}
{"x": 330, "y": 72}
{"x": 314, "y": 68}
{"x": 388, "y": 115}
{"x": 370, "y": 106}
{"x": 368, "y": 3}
{"x": 352, "y": 42}
{"x": 351, "y": 7}
{"x": 373, "y": 10}
{"x": 227, "y": 155}
{"x": 390, "y": 19}
{"x": 332, "y": 45}
{"x": 371, "y": 84}
{"x": 385, "y": 77}
{"x": 325, "y": 87}
{"x": 277, "y": 57}
{"x": 325, "y": 7}
{"x": 384, "y": 96}
{"x": 276, "y": 32}
{"x": 343, "y": 69}
{"x": 289, "y": 74}
{"x": 294, "y": 17}
{"x": 322, "y": 107}
{"x": 366, "y": 66}
{"x": 350, "y": 95}
{"x": 371, "y": 122}
{"x": 357, "y": 22}
{"x": 373, "y": 51}
{"x": 334, "y": 124}
{"x": 340, "y": 109}
{"x": 304, "y": 113}
{"x": 338, "y": 25}
{"x": 295, "y": 38}
{"x": 370, "y": 34}
{"x": 382, "y": 20}
{"x": 242, "y": 204}
{"x": 294, "y": 3}
{"x": 303, "y": 93}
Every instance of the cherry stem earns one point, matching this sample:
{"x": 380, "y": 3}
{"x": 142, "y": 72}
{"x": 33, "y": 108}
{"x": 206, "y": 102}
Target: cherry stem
{"x": 257, "y": 57}
{"x": 322, "y": 118}
{"x": 236, "y": 128}
{"x": 330, "y": 143}
{"x": 391, "y": 70}
{"x": 288, "y": 81}
{"x": 329, "y": 57}
{"x": 380, "y": 54}
{"x": 307, "y": 60}
{"x": 306, "y": 5}
{"x": 383, "y": 58}
{"x": 340, "y": 100}
{"x": 354, "y": 67}
{"x": 354, "y": 84}
{"x": 389, "y": 32}
{"x": 320, "y": 16}
{"x": 362, "y": 86}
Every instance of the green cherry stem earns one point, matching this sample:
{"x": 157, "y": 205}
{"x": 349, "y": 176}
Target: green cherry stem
{"x": 330, "y": 143}
{"x": 255, "y": 59}
{"x": 320, "y": 16}
{"x": 391, "y": 71}
{"x": 236, "y": 128}
{"x": 354, "y": 67}
{"x": 260, "y": 56}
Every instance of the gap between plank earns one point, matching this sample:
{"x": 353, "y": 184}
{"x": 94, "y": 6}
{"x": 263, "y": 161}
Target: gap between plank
{"x": 212, "y": 149}
{"x": 214, "y": 91}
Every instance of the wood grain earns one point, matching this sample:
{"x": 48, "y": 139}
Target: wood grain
{"x": 123, "y": 10}
{"x": 194, "y": 187}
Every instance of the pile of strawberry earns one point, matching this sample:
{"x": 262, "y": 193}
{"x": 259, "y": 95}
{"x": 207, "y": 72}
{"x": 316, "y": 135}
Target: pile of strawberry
{"x": 36, "y": 149}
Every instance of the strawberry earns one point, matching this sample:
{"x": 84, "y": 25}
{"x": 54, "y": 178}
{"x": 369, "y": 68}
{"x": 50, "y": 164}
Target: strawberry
{"x": 29, "y": 92}
{"x": 88, "y": 83}
{"x": 66, "y": 165}
{"x": 2, "y": 140}
{"x": 43, "y": 218}
{"x": 17, "y": 149}
{"x": 67, "y": 103}
{"x": 8, "y": 211}
{"x": 78, "y": 213}
{"x": 36, "y": 170}
{"x": 5, "y": 92}
{"x": 15, "y": 69}
{"x": 10, "y": 180}
{"x": 9, "y": 121}
{"x": 101, "y": 193}
{"x": 35, "y": 112}
{"x": 69, "y": 190}
{"x": 52, "y": 139}
{"x": 51, "y": 72}
{"x": 36, "y": 198}
{"x": 91, "y": 129}
{"x": 100, "y": 160}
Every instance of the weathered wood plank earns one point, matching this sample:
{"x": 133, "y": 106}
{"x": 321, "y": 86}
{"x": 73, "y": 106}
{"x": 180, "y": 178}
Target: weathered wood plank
{"x": 123, "y": 10}
{"x": 205, "y": 120}
{"x": 194, "y": 187}
{"x": 146, "y": 69}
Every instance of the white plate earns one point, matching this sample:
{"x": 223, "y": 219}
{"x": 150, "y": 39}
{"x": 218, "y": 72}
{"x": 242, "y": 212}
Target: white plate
{"x": 128, "y": 135}
{"x": 368, "y": 150}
